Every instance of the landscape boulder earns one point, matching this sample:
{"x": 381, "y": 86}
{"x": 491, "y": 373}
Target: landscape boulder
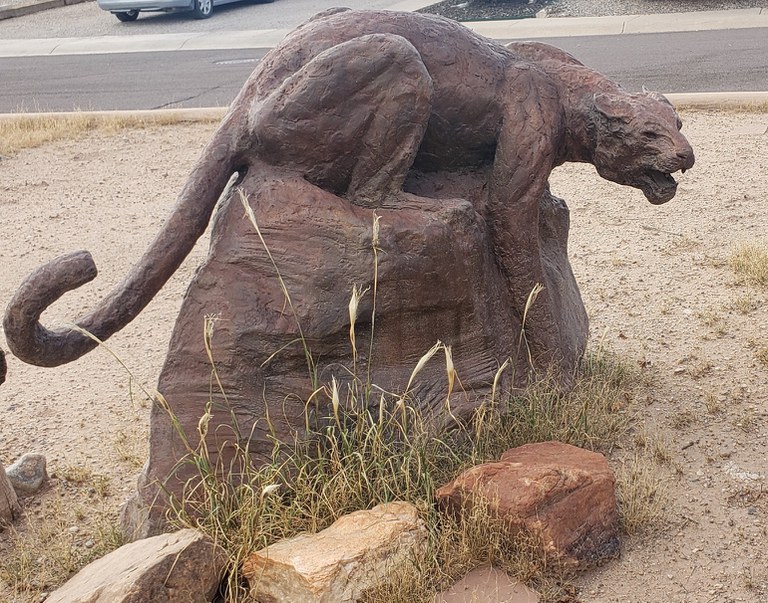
{"x": 487, "y": 584}
{"x": 9, "y": 503}
{"x": 28, "y": 474}
{"x": 182, "y": 567}
{"x": 561, "y": 494}
{"x": 338, "y": 564}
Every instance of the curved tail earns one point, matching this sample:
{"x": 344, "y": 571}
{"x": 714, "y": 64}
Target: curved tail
{"x": 29, "y": 340}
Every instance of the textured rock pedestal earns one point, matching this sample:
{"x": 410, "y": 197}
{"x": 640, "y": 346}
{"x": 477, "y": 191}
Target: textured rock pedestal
{"x": 437, "y": 280}
{"x": 183, "y": 567}
{"x": 339, "y": 563}
{"x": 9, "y": 503}
{"x": 560, "y": 493}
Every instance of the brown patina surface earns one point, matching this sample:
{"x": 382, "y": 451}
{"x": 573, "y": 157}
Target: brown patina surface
{"x": 450, "y": 139}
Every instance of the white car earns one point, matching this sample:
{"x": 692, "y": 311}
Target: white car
{"x": 128, "y": 10}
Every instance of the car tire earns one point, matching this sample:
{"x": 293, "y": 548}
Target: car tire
{"x": 202, "y": 9}
{"x": 127, "y": 16}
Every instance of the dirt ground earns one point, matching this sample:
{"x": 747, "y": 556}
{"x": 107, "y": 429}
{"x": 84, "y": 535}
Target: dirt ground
{"x": 655, "y": 281}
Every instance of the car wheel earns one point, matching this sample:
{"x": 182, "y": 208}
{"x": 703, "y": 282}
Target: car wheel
{"x": 127, "y": 16}
{"x": 202, "y": 9}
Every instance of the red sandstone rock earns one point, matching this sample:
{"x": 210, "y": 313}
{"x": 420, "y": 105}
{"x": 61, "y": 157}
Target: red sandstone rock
{"x": 561, "y": 493}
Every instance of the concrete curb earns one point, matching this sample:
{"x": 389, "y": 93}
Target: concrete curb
{"x": 698, "y": 100}
{"x": 720, "y": 100}
{"x": 149, "y": 115}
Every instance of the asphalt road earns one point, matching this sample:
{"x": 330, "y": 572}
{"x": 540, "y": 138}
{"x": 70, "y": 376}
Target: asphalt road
{"x": 697, "y": 61}
{"x": 147, "y": 80}
{"x": 712, "y": 61}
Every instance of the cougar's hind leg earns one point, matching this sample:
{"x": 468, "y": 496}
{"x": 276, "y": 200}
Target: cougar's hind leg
{"x": 351, "y": 119}
{"x": 398, "y": 116}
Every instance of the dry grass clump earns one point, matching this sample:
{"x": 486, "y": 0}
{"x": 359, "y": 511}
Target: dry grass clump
{"x": 713, "y": 404}
{"x": 382, "y": 450}
{"x": 459, "y": 544}
{"x": 641, "y": 492}
{"x": 745, "y": 304}
{"x": 653, "y": 446}
{"x": 74, "y": 525}
{"x": 761, "y": 354}
{"x": 750, "y": 262}
{"x": 683, "y": 419}
{"x": 29, "y": 130}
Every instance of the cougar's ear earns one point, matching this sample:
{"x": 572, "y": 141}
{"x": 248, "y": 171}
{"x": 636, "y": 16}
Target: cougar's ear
{"x": 613, "y": 106}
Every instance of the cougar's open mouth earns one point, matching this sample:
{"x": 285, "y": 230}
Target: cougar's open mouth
{"x": 658, "y": 187}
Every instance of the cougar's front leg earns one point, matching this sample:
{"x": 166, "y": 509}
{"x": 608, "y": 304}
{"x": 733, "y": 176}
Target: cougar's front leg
{"x": 524, "y": 159}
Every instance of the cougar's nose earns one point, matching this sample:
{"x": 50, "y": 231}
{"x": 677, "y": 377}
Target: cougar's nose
{"x": 685, "y": 155}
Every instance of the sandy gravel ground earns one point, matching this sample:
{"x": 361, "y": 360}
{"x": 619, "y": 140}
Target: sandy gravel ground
{"x": 655, "y": 281}
{"x": 658, "y": 289}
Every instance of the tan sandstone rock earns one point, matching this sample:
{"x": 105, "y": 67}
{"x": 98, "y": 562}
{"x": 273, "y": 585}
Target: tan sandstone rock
{"x": 339, "y": 563}
{"x": 9, "y": 503}
{"x": 183, "y": 567}
{"x": 560, "y": 493}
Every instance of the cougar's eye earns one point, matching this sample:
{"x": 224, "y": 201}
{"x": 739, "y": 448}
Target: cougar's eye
{"x": 650, "y": 134}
